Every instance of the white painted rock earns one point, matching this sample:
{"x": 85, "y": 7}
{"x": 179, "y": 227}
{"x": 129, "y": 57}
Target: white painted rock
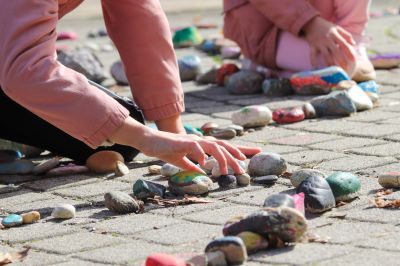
{"x": 266, "y": 163}
{"x": 64, "y": 211}
{"x": 252, "y": 116}
{"x": 169, "y": 170}
{"x": 360, "y": 98}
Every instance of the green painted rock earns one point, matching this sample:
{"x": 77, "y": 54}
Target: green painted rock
{"x": 389, "y": 180}
{"x": 301, "y": 175}
{"x": 233, "y": 248}
{"x": 253, "y": 242}
{"x": 12, "y": 220}
{"x": 146, "y": 189}
{"x": 188, "y": 182}
{"x": 187, "y": 37}
{"x": 344, "y": 185}
{"x": 266, "y": 163}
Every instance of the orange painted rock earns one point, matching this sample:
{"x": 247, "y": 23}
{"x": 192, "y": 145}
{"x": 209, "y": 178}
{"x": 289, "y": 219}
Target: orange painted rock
{"x": 292, "y": 115}
{"x": 104, "y": 161}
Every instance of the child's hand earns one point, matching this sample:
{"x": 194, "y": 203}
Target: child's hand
{"x": 331, "y": 41}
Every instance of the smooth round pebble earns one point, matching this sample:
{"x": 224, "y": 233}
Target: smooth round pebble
{"x": 389, "y": 180}
{"x": 121, "y": 202}
{"x": 223, "y": 133}
{"x": 121, "y": 169}
{"x": 243, "y": 179}
{"x": 63, "y": 211}
{"x": 309, "y": 111}
{"x": 300, "y": 175}
{"x": 252, "y": 116}
{"x": 345, "y": 186}
{"x": 266, "y": 163}
{"x": 233, "y": 248}
{"x": 227, "y": 181}
{"x": 12, "y": 220}
{"x": 279, "y": 200}
{"x": 245, "y": 82}
{"x": 265, "y": 180}
{"x": 30, "y": 217}
{"x": 104, "y": 161}
{"x": 154, "y": 169}
{"x": 169, "y": 170}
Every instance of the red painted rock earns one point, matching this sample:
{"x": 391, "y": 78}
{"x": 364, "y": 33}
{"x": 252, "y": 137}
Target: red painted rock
{"x": 208, "y": 127}
{"x": 67, "y": 35}
{"x": 224, "y": 71}
{"x": 292, "y": 115}
{"x": 160, "y": 259}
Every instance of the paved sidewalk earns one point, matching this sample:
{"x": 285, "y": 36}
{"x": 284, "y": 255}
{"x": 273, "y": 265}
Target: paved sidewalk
{"x": 367, "y": 144}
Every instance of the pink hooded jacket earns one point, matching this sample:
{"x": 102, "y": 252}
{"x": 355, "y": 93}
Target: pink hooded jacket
{"x": 32, "y": 77}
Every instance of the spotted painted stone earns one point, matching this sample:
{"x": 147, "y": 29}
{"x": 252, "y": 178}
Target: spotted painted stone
{"x": 252, "y": 116}
{"x": 345, "y": 186}
{"x": 188, "y": 182}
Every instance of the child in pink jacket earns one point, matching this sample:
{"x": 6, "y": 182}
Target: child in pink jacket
{"x": 48, "y": 105}
{"x": 298, "y": 35}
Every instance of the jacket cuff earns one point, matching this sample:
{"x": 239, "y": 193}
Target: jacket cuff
{"x": 305, "y": 13}
{"x": 164, "y": 111}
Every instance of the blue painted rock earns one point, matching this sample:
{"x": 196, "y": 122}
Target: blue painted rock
{"x": 169, "y": 170}
{"x": 189, "y": 67}
{"x": 233, "y": 248}
{"x": 121, "y": 202}
{"x": 288, "y": 115}
{"x": 245, "y": 82}
{"x": 192, "y": 130}
{"x": 300, "y": 175}
{"x": 243, "y": 179}
{"x": 279, "y": 200}
{"x": 287, "y": 223}
{"x": 118, "y": 73}
{"x": 266, "y": 163}
{"x": 389, "y": 180}
{"x": 223, "y": 133}
{"x": 7, "y": 156}
{"x": 318, "y": 194}
{"x": 265, "y": 180}
{"x": 208, "y": 77}
{"x": 331, "y": 75}
{"x": 230, "y": 52}
{"x": 371, "y": 88}
{"x": 104, "y": 161}
{"x": 64, "y": 211}
{"x": 143, "y": 189}
{"x": 30, "y": 217}
{"x": 46, "y": 166}
{"x": 85, "y": 62}
{"x": 20, "y": 166}
{"x": 227, "y": 181}
{"x": 188, "y": 182}
{"x": 187, "y": 37}
{"x": 159, "y": 259}
{"x": 277, "y": 87}
{"x": 385, "y": 61}
{"x": 12, "y": 220}
{"x": 253, "y": 242}
{"x": 345, "y": 186}
{"x": 252, "y": 116}
{"x": 309, "y": 111}
{"x": 336, "y": 103}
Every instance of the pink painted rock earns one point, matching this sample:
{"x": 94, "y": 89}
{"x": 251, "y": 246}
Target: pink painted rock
{"x": 292, "y": 115}
{"x": 67, "y": 35}
{"x": 159, "y": 259}
{"x": 299, "y": 202}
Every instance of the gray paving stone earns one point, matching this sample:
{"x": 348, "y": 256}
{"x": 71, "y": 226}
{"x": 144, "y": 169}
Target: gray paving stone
{"x": 50, "y": 184}
{"x": 91, "y": 190}
{"x": 219, "y": 121}
{"x": 304, "y": 139}
{"x": 268, "y": 133}
{"x": 375, "y": 171}
{"x": 36, "y": 258}
{"x": 256, "y": 198}
{"x": 216, "y": 110}
{"x": 180, "y": 233}
{"x": 311, "y": 156}
{"x": 329, "y": 126}
{"x": 375, "y": 131}
{"x": 221, "y": 193}
{"x": 73, "y": 243}
{"x": 371, "y": 116}
{"x": 363, "y": 257}
{"x": 180, "y": 210}
{"x": 8, "y": 188}
{"x": 346, "y": 143}
{"x": 219, "y": 94}
{"x": 220, "y": 216}
{"x": 388, "y": 241}
{"x": 389, "y": 149}
{"x": 34, "y": 232}
{"x": 133, "y": 223}
{"x": 76, "y": 262}
{"x": 355, "y": 162}
{"x": 395, "y": 137}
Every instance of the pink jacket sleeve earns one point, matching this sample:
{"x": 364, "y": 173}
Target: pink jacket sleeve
{"x": 288, "y": 15}
{"x": 142, "y": 36}
{"x": 31, "y": 76}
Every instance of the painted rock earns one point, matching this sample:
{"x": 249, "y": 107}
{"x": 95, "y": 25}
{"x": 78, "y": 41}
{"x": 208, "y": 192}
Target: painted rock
{"x": 121, "y": 169}
{"x": 252, "y": 116}
{"x": 233, "y": 248}
{"x": 216, "y": 172}
{"x": 188, "y": 182}
{"x": 28, "y": 151}
{"x": 20, "y": 166}
{"x": 143, "y": 189}
{"x": 216, "y": 258}
{"x": 159, "y": 259}
{"x": 332, "y": 75}
{"x": 208, "y": 77}
{"x": 292, "y": 115}
{"x": 227, "y": 181}
{"x": 345, "y": 186}
{"x": 189, "y": 67}
{"x": 104, "y": 161}
{"x": 155, "y": 169}
{"x": 279, "y": 200}
{"x": 318, "y": 194}
{"x": 223, "y": 133}
{"x": 69, "y": 169}
{"x": 371, "y": 88}
{"x": 208, "y": 127}
{"x": 169, "y": 170}
{"x": 46, "y": 166}
{"x": 265, "y": 180}
{"x": 63, "y": 211}
{"x": 187, "y": 37}
{"x": 224, "y": 72}
{"x": 309, "y": 111}
{"x": 253, "y": 242}
{"x": 287, "y": 223}
{"x": 7, "y": 156}
{"x": 245, "y": 82}
{"x": 118, "y": 73}
{"x": 302, "y": 174}
{"x": 299, "y": 202}
{"x": 277, "y": 87}
{"x": 389, "y": 180}
{"x": 208, "y": 46}
{"x": 243, "y": 179}
{"x": 266, "y": 163}
{"x": 345, "y": 85}
{"x": 385, "y": 61}
{"x": 360, "y": 98}
{"x": 121, "y": 202}
{"x": 336, "y": 103}
{"x": 310, "y": 85}
{"x": 192, "y": 130}
{"x": 30, "y": 217}
{"x": 12, "y": 220}
{"x": 239, "y": 129}
{"x": 67, "y": 35}
{"x": 230, "y": 52}
{"x": 85, "y": 62}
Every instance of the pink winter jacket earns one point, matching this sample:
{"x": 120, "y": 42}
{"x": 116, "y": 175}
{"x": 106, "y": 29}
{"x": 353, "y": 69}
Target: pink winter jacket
{"x": 32, "y": 77}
